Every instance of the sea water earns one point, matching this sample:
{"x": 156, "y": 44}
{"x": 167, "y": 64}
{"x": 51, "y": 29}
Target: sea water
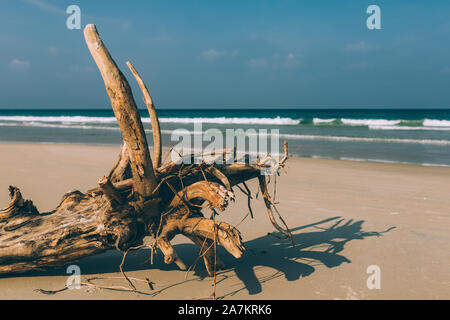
{"x": 384, "y": 135}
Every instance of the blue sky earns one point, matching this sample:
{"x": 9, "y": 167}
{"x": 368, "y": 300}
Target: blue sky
{"x": 230, "y": 54}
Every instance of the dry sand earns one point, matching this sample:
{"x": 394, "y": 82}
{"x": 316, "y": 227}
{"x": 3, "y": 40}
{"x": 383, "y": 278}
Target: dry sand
{"x": 346, "y": 216}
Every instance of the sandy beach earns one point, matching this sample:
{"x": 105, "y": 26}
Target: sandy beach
{"x": 345, "y": 217}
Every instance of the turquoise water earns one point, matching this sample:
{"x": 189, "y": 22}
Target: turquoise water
{"x": 410, "y": 136}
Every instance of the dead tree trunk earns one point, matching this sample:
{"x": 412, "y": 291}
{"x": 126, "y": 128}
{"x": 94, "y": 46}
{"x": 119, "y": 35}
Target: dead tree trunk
{"x": 138, "y": 198}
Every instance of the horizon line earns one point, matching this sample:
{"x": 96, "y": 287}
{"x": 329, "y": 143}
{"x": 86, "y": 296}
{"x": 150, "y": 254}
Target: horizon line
{"x": 241, "y": 108}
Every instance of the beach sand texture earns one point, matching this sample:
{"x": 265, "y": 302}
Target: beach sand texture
{"x": 345, "y": 217}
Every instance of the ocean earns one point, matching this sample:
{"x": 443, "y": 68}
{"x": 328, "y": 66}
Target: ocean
{"x": 382, "y": 135}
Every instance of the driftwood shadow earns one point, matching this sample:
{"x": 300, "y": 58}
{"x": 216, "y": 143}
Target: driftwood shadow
{"x": 314, "y": 248}
{"x": 323, "y": 246}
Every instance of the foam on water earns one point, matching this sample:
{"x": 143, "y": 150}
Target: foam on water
{"x": 101, "y": 120}
{"x": 322, "y": 121}
{"x": 283, "y": 136}
{"x": 226, "y": 120}
{"x": 436, "y": 123}
{"x": 369, "y": 122}
{"x": 364, "y": 139}
{"x": 408, "y": 128}
{"x": 375, "y": 124}
{"x": 60, "y": 119}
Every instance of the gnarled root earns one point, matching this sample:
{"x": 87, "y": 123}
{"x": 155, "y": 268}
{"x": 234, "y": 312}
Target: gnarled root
{"x": 200, "y": 230}
{"x": 196, "y": 229}
{"x": 81, "y": 225}
{"x": 19, "y": 211}
{"x": 215, "y": 194}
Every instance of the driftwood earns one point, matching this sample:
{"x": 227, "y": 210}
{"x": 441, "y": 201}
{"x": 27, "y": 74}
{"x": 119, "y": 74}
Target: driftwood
{"x": 138, "y": 198}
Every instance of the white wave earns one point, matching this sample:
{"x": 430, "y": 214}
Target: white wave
{"x": 374, "y": 160}
{"x": 319, "y": 121}
{"x": 435, "y": 165}
{"x": 285, "y": 136}
{"x": 225, "y": 120}
{"x": 436, "y": 123}
{"x": 381, "y": 124}
{"x": 369, "y": 122}
{"x": 60, "y": 119}
{"x": 59, "y": 126}
{"x": 378, "y": 127}
{"x": 100, "y": 120}
{"x": 393, "y": 161}
{"x": 337, "y": 138}
{"x": 364, "y": 139}
{"x": 352, "y": 159}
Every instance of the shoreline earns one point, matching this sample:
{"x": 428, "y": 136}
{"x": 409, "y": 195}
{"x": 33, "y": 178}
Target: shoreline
{"x": 349, "y": 159}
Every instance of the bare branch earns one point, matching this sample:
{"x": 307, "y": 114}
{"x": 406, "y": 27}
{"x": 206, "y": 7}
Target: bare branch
{"x": 126, "y": 112}
{"x": 153, "y": 116}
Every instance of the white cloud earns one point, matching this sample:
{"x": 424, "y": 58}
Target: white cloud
{"x": 46, "y": 7}
{"x": 359, "y": 47}
{"x": 210, "y": 55}
{"x": 50, "y": 8}
{"x": 257, "y": 62}
{"x": 292, "y": 61}
{"x": 286, "y": 61}
{"x": 213, "y": 54}
{"x": 19, "y": 65}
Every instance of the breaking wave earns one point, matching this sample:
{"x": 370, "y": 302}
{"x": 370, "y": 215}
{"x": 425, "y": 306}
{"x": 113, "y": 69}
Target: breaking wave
{"x": 374, "y": 124}
{"x": 106, "y": 120}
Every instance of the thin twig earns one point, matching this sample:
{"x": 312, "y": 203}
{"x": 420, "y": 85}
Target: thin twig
{"x": 249, "y": 197}
{"x": 123, "y": 273}
{"x": 215, "y": 254}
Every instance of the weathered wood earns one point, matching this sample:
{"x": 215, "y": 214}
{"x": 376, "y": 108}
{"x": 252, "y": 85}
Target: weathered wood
{"x": 126, "y": 112}
{"x": 121, "y": 169}
{"x": 217, "y": 196}
{"x": 82, "y": 225}
{"x": 135, "y": 200}
{"x": 228, "y": 236}
{"x": 110, "y": 192}
{"x": 157, "y": 147}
